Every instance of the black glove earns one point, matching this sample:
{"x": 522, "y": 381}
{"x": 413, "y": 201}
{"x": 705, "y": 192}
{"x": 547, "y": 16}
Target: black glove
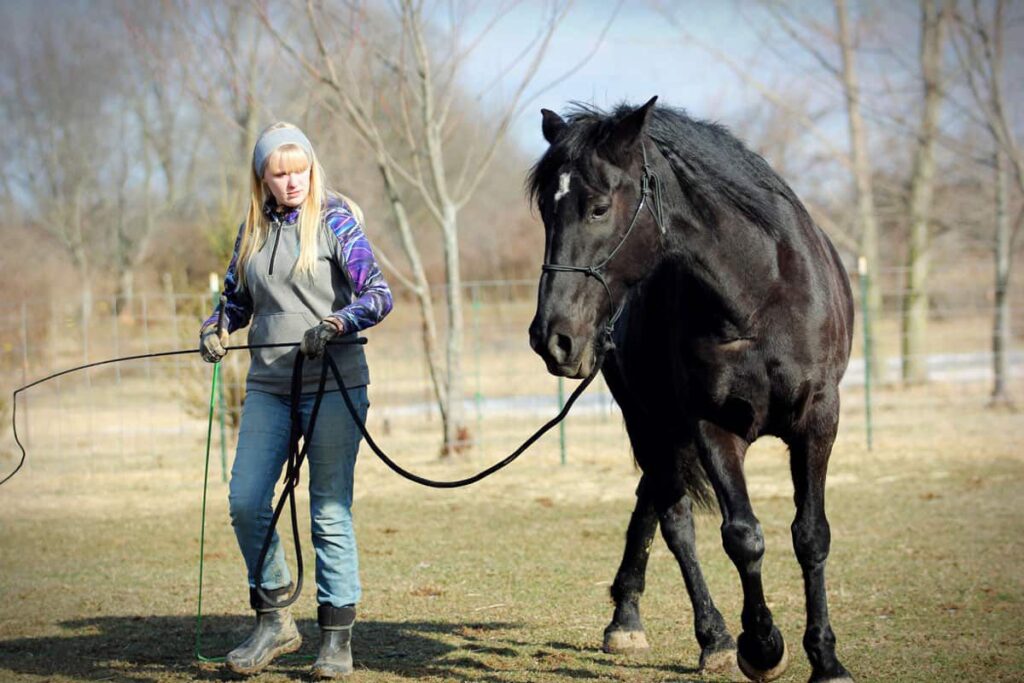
{"x": 213, "y": 346}
{"x": 316, "y": 338}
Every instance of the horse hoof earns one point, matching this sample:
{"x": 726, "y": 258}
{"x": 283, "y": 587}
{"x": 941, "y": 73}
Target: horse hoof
{"x": 759, "y": 676}
{"x": 625, "y": 642}
{"x": 720, "y": 663}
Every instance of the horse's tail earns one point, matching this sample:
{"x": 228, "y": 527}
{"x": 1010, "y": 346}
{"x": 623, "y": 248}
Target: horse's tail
{"x": 695, "y": 480}
{"x": 689, "y": 479}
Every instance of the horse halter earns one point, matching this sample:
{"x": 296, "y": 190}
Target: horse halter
{"x": 650, "y": 186}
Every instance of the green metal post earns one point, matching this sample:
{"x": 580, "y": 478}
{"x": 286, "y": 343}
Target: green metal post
{"x": 215, "y": 293}
{"x": 479, "y": 397}
{"x": 202, "y": 527}
{"x": 561, "y": 425}
{"x": 862, "y": 269}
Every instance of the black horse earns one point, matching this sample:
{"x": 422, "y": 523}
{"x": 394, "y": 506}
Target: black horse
{"x": 679, "y": 263}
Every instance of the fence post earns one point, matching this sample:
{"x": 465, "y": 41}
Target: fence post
{"x": 24, "y": 370}
{"x": 862, "y": 270}
{"x": 215, "y": 296}
{"x": 475, "y": 294}
{"x": 148, "y": 365}
{"x": 56, "y": 315}
{"x": 172, "y": 301}
{"x": 87, "y": 310}
{"x": 117, "y": 375}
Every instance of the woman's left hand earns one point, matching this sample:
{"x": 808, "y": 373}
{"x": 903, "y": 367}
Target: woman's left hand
{"x": 315, "y": 340}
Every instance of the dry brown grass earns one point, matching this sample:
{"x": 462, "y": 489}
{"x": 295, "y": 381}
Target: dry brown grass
{"x": 507, "y": 580}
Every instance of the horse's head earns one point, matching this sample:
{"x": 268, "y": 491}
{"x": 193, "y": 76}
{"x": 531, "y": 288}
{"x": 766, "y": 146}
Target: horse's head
{"x": 600, "y": 239}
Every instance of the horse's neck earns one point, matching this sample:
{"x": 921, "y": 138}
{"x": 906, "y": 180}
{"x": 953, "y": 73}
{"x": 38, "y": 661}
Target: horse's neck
{"x": 731, "y": 268}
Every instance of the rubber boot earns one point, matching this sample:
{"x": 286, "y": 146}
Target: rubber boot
{"x": 275, "y": 634}
{"x": 335, "y": 658}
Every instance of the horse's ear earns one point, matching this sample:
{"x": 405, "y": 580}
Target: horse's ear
{"x": 553, "y": 125}
{"x": 627, "y": 132}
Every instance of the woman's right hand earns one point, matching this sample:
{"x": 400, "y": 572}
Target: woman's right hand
{"x": 213, "y": 346}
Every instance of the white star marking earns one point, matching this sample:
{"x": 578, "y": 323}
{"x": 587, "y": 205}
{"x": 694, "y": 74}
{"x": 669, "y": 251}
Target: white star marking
{"x": 563, "y": 186}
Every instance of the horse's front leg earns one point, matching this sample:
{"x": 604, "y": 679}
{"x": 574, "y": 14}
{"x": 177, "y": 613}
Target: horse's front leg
{"x": 625, "y": 633}
{"x": 762, "y": 652}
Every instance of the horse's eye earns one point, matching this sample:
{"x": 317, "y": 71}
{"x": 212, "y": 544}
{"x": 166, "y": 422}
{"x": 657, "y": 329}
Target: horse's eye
{"x": 599, "y": 211}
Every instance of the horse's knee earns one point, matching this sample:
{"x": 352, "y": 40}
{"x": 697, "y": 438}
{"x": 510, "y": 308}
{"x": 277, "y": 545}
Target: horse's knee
{"x": 811, "y": 541}
{"x": 743, "y": 542}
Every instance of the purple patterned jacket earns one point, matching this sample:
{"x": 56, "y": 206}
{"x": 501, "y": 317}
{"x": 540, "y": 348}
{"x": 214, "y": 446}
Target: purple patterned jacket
{"x": 347, "y": 286}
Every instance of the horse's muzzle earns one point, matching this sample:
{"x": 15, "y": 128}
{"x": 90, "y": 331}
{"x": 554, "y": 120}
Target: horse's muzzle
{"x": 564, "y": 354}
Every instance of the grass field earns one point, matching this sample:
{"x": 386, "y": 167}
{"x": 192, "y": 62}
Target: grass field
{"x": 508, "y": 580}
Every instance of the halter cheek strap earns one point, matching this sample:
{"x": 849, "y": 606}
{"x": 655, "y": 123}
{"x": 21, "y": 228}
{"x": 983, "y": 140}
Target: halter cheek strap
{"x": 650, "y": 186}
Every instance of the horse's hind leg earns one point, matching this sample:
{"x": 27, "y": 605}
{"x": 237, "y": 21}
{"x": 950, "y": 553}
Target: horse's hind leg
{"x": 717, "y": 647}
{"x": 625, "y": 633}
{"x": 809, "y": 454}
{"x": 761, "y": 650}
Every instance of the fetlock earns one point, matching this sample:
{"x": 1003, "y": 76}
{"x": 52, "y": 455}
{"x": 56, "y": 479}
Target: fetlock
{"x": 335, "y": 657}
{"x": 275, "y": 634}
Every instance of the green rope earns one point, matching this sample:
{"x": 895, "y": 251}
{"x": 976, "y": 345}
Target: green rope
{"x": 202, "y": 535}
{"x": 202, "y": 526}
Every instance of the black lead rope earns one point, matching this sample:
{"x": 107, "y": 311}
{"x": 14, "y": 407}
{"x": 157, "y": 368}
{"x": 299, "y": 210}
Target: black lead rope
{"x": 160, "y": 354}
{"x": 297, "y": 455}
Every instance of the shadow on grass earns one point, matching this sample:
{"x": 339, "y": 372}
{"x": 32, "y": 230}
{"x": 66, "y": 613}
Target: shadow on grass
{"x": 162, "y": 648}
{"x": 158, "y": 648}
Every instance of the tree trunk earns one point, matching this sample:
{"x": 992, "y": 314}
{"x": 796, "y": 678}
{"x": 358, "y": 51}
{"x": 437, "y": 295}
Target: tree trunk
{"x": 428, "y": 327}
{"x": 456, "y": 437}
{"x": 922, "y": 181}
{"x": 79, "y": 256}
{"x": 866, "y": 214}
{"x": 123, "y": 251}
{"x": 1001, "y": 324}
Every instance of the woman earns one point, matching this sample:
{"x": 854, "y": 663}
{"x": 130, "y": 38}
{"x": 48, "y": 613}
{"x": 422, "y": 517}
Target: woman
{"x": 302, "y": 269}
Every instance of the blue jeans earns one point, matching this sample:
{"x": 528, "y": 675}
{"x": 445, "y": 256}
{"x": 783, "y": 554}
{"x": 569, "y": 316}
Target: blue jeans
{"x": 329, "y": 467}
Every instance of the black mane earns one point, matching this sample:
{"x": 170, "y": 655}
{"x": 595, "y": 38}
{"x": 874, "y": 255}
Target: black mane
{"x": 718, "y": 174}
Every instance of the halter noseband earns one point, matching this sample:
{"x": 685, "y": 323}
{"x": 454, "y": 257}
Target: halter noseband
{"x": 650, "y": 185}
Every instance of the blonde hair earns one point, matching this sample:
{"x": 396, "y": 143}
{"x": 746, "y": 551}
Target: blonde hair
{"x": 288, "y": 158}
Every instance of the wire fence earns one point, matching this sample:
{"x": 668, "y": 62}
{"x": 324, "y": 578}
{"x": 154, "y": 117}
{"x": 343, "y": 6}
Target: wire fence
{"x": 136, "y": 416}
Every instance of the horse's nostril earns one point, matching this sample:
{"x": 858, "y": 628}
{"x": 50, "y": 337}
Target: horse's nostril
{"x": 564, "y": 343}
{"x": 560, "y": 347}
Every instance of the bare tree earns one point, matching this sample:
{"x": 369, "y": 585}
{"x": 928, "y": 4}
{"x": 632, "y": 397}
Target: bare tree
{"x": 213, "y": 82}
{"x": 833, "y": 50}
{"x": 861, "y": 169}
{"x": 915, "y": 297}
{"x": 170, "y": 131}
{"x": 428, "y": 153}
{"x": 980, "y": 46}
{"x": 61, "y": 90}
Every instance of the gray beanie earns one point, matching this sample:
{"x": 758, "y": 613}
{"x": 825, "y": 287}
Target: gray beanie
{"x": 272, "y": 139}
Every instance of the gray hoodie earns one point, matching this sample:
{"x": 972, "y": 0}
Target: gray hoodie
{"x": 347, "y": 285}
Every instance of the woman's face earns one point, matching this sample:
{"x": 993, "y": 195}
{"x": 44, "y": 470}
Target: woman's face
{"x": 286, "y": 181}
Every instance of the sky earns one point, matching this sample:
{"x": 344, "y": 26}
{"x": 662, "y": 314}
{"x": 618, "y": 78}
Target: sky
{"x": 641, "y": 55}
